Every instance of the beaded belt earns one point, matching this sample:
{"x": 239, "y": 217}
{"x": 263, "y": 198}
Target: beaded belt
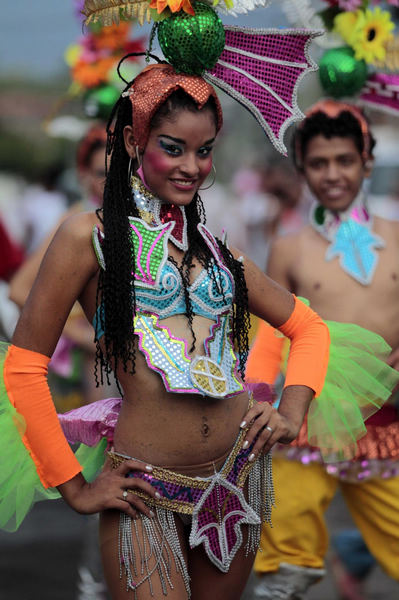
{"x": 181, "y": 493}
{"x": 217, "y": 503}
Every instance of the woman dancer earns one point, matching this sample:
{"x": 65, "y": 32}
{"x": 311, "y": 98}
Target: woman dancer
{"x": 186, "y": 484}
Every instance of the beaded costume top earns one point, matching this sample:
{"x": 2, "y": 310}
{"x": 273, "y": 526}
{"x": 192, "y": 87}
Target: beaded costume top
{"x": 160, "y": 294}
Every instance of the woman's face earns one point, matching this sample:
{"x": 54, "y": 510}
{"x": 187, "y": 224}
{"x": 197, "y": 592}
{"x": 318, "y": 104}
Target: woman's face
{"x": 178, "y": 155}
{"x": 94, "y": 176}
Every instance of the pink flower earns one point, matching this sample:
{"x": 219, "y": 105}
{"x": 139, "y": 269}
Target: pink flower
{"x": 351, "y": 5}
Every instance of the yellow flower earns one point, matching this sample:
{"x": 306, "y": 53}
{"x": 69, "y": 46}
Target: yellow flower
{"x": 373, "y": 32}
{"x": 345, "y": 24}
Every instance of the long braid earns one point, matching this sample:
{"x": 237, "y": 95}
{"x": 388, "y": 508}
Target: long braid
{"x": 241, "y": 320}
{"x": 116, "y": 292}
{"x": 116, "y": 300}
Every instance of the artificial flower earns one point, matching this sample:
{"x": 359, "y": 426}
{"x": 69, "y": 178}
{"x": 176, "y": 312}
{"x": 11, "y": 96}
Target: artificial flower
{"x": 372, "y": 33}
{"x": 173, "y": 6}
{"x": 349, "y": 5}
{"x": 345, "y": 24}
{"x": 90, "y": 75}
{"x": 112, "y": 37}
{"x": 72, "y": 54}
{"x": 229, "y": 3}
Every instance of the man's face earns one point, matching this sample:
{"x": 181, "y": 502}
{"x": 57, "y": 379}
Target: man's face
{"x": 334, "y": 171}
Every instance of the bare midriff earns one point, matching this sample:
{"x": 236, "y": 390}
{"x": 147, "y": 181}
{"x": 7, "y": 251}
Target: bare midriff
{"x": 166, "y": 428}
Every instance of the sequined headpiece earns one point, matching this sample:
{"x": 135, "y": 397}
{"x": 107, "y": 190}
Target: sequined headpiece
{"x": 333, "y": 109}
{"x": 260, "y": 68}
{"x": 153, "y": 86}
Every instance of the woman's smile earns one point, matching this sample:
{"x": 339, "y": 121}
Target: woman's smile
{"x": 178, "y": 156}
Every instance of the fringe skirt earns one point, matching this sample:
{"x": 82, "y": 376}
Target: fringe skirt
{"x": 215, "y": 507}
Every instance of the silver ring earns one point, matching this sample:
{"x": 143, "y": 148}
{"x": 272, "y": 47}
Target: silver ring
{"x": 269, "y": 428}
{"x": 125, "y": 495}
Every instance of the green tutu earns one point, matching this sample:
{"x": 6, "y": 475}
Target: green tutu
{"x": 20, "y": 486}
{"x": 358, "y": 382}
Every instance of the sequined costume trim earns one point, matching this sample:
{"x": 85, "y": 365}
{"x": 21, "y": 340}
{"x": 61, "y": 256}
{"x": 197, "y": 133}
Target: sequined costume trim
{"x": 180, "y": 492}
{"x": 351, "y": 238}
{"x": 216, "y": 504}
{"x": 377, "y": 452}
{"x": 159, "y": 294}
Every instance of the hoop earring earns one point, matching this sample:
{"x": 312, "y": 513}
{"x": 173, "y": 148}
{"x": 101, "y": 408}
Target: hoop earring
{"x": 129, "y": 172}
{"x": 213, "y": 180}
{"x": 138, "y": 158}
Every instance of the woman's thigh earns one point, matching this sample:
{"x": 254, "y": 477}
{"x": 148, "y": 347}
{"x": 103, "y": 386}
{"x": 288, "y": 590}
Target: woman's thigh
{"x": 114, "y": 572}
{"x": 207, "y": 581}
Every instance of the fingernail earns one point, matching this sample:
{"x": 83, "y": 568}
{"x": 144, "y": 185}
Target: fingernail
{"x": 243, "y": 424}
{"x": 158, "y": 495}
{"x": 245, "y": 444}
{"x": 251, "y": 457}
{"x": 148, "y": 468}
{"x": 152, "y": 514}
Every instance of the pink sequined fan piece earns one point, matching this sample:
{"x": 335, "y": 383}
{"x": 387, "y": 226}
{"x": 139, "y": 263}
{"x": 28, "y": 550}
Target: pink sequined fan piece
{"x": 262, "y": 68}
{"x": 382, "y": 91}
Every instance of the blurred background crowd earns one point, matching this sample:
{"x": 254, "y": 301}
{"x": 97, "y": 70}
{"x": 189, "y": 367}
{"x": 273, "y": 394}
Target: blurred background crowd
{"x": 54, "y": 103}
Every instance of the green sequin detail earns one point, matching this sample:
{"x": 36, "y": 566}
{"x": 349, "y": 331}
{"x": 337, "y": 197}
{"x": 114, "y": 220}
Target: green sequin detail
{"x": 192, "y": 44}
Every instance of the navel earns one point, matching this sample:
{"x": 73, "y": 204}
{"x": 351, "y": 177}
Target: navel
{"x": 394, "y": 276}
{"x": 317, "y": 285}
{"x": 205, "y": 427}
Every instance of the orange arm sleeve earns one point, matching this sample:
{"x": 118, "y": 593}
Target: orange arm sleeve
{"x": 264, "y": 360}
{"x": 25, "y": 379}
{"x": 309, "y": 351}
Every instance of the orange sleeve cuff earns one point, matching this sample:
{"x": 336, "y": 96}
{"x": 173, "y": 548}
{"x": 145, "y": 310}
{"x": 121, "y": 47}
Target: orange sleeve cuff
{"x": 309, "y": 351}
{"x": 264, "y": 360}
{"x": 25, "y": 378}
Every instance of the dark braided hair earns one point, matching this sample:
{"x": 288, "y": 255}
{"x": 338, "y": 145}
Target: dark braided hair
{"x": 116, "y": 301}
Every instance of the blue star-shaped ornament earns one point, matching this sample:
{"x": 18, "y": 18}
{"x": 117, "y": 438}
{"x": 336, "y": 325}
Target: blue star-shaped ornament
{"x": 355, "y": 245}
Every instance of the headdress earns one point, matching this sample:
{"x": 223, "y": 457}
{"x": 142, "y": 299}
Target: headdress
{"x": 261, "y": 68}
{"x": 333, "y": 109}
{"x": 154, "y": 85}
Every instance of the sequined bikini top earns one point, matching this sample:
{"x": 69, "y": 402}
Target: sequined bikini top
{"x": 160, "y": 294}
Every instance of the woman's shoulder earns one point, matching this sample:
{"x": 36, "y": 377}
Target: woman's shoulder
{"x": 79, "y": 227}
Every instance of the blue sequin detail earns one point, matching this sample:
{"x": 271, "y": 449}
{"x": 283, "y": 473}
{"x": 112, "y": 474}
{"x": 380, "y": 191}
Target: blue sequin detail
{"x": 355, "y": 245}
{"x": 167, "y": 299}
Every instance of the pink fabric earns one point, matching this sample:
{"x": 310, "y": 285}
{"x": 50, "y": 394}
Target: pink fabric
{"x": 262, "y": 71}
{"x": 140, "y": 173}
{"x": 92, "y": 422}
{"x": 61, "y": 362}
{"x": 382, "y": 91}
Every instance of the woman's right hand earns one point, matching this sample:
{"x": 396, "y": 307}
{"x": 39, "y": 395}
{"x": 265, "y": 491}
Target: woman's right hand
{"x": 109, "y": 490}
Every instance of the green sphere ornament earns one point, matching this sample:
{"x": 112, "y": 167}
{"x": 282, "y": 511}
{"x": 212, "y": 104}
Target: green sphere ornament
{"x": 340, "y": 73}
{"x": 192, "y": 43}
{"x": 98, "y": 102}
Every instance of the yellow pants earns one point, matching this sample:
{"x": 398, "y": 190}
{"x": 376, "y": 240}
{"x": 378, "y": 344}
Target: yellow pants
{"x": 299, "y": 535}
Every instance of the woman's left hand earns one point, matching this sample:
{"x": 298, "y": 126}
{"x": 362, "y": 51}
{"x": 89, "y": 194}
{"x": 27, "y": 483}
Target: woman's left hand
{"x": 271, "y": 426}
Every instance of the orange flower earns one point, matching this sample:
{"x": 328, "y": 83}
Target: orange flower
{"x": 112, "y": 37}
{"x": 92, "y": 74}
{"x": 173, "y": 5}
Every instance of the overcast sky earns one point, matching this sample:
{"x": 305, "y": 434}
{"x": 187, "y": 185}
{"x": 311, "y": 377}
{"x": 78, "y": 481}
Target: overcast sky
{"x": 35, "y": 33}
